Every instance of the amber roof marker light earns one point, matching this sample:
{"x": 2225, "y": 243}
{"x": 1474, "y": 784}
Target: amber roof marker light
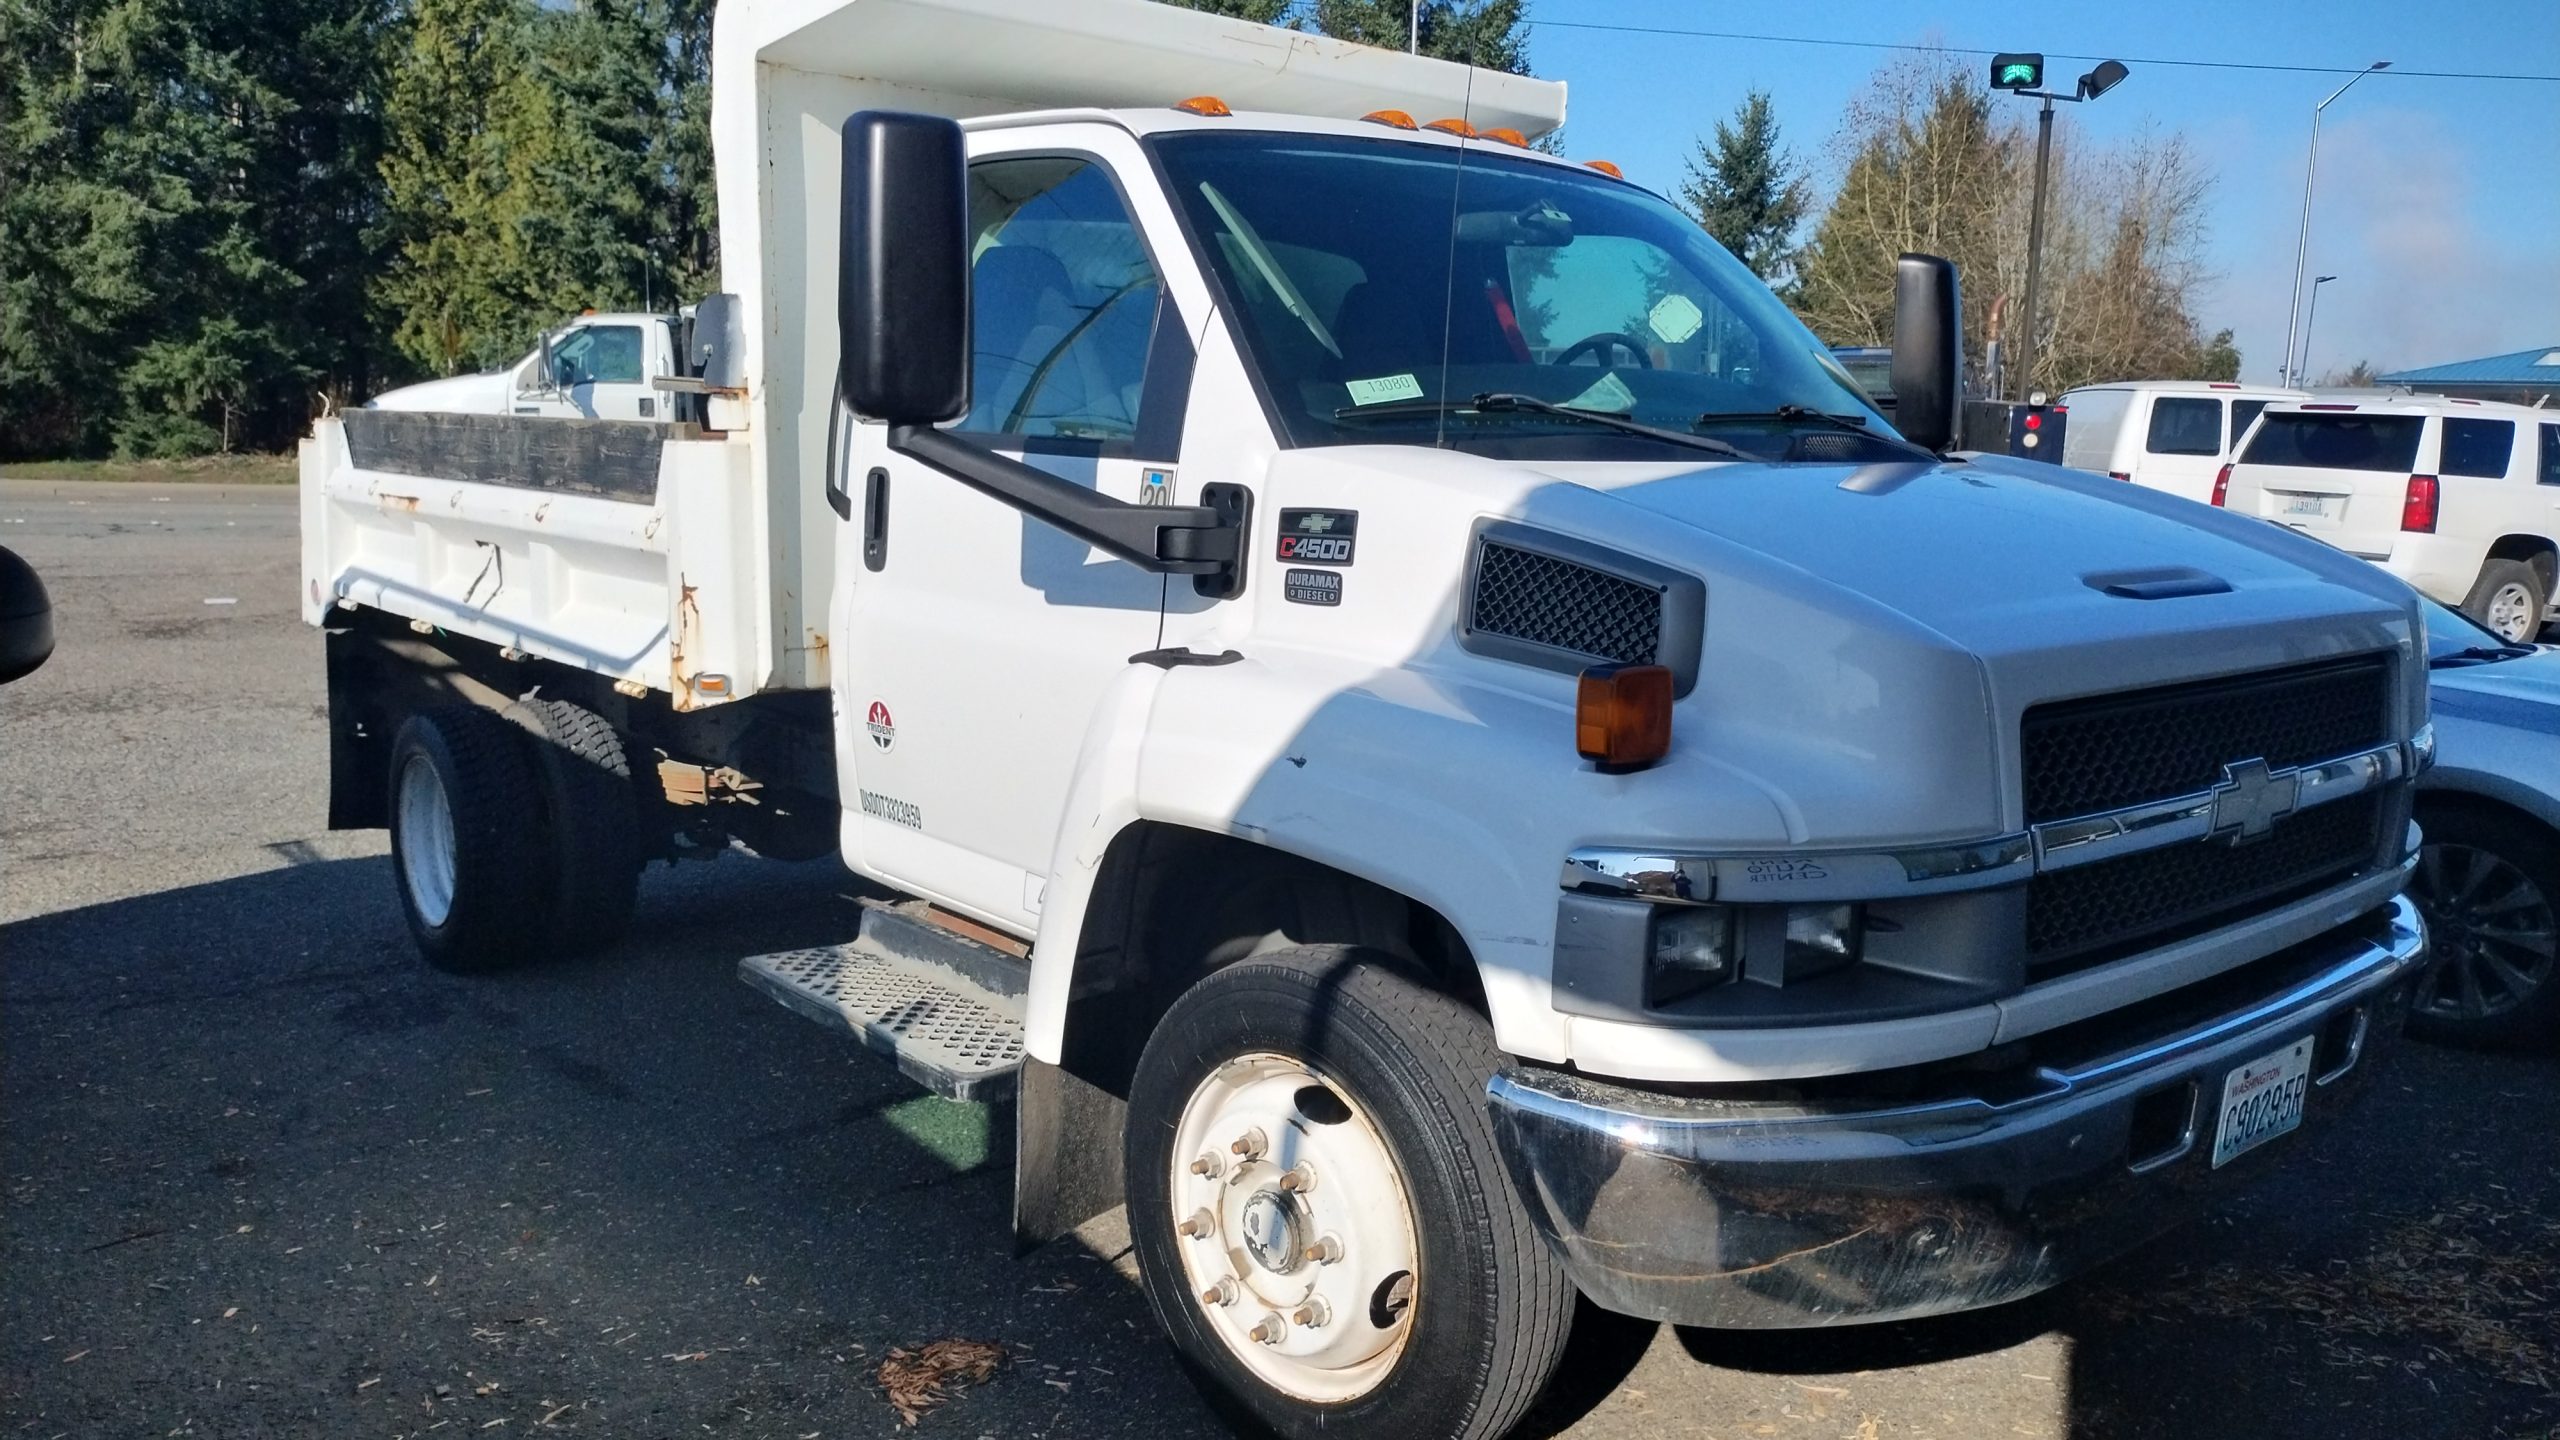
{"x": 1203, "y": 105}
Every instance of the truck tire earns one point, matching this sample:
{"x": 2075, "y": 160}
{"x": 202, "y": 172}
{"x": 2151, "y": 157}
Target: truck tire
{"x": 1440, "y": 1311}
{"x": 2507, "y": 600}
{"x": 469, "y": 841}
{"x": 2489, "y": 886}
{"x": 595, "y": 823}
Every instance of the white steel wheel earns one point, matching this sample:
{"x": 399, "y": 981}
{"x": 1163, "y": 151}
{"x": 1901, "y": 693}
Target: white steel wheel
{"x": 1298, "y": 1236}
{"x": 1322, "y": 1219}
{"x": 425, "y": 819}
{"x": 470, "y": 844}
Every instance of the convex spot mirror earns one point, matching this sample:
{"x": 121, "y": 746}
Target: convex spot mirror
{"x": 902, "y": 273}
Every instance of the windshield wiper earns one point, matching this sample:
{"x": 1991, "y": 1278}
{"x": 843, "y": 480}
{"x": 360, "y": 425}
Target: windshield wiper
{"x": 1500, "y": 402}
{"x": 2480, "y": 654}
{"x": 1854, "y": 424}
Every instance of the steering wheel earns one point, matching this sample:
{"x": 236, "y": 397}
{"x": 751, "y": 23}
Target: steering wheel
{"x": 1601, "y": 344}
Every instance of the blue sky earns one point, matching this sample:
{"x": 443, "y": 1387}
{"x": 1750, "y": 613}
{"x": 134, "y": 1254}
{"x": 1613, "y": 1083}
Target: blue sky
{"x": 2438, "y": 202}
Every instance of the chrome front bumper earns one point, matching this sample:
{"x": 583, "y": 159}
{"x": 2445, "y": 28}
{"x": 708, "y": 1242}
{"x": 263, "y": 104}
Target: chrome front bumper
{"x": 1762, "y": 1214}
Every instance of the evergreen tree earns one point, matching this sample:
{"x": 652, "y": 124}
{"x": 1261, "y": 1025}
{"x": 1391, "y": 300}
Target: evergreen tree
{"x": 1486, "y": 33}
{"x": 1746, "y": 191}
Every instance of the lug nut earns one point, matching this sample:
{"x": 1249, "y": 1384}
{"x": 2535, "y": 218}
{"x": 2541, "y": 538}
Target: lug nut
{"x": 1271, "y": 1331}
{"x": 1208, "y": 1164}
{"x": 1326, "y": 1250}
{"x": 1250, "y": 1145}
{"x": 1199, "y": 1226}
{"x": 1300, "y": 1179}
{"x": 1314, "y": 1313}
{"x": 1222, "y": 1293}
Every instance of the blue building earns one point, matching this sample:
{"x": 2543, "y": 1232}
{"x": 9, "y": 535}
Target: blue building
{"x": 2527, "y": 377}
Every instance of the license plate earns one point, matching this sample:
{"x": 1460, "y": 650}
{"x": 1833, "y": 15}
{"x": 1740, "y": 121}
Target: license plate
{"x": 2315, "y": 507}
{"x": 2262, "y": 1100}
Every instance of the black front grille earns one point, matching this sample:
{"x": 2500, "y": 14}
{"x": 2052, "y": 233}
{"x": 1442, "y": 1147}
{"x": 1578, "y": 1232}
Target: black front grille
{"x": 2099, "y": 911}
{"x": 2080, "y": 757}
{"x": 1547, "y": 601}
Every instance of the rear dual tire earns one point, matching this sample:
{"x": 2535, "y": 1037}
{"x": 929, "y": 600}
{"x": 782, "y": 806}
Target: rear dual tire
{"x": 512, "y": 836}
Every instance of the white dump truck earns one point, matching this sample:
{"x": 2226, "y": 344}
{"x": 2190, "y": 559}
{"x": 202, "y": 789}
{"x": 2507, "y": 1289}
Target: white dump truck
{"x": 598, "y": 366}
{"x": 1435, "y": 746}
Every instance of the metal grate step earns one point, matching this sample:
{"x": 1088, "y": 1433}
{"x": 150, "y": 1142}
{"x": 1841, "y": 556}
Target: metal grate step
{"x": 946, "y": 1032}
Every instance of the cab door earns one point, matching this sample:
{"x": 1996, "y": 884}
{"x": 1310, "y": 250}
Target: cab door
{"x": 974, "y": 643}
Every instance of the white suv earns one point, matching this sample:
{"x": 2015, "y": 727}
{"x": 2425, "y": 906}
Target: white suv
{"x": 2461, "y": 498}
{"x": 2170, "y": 435}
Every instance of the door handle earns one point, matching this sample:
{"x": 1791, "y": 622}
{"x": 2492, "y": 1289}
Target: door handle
{"x": 875, "y": 519}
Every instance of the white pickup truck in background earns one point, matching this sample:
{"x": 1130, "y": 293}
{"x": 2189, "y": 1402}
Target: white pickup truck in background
{"x": 595, "y": 367}
{"x": 1437, "y": 748}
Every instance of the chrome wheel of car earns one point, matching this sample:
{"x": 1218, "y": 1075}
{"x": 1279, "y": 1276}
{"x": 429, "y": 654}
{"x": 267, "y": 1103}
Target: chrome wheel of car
{"x": 2492, "y": 928}
{"x": 426, "y": 840}
{"x": 2511, "y": 612}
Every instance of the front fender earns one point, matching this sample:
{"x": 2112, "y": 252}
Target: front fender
{"x": 1459, "y": 796}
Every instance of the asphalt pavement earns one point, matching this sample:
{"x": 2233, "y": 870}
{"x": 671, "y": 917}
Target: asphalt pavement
{"x": 266, "y": 1175}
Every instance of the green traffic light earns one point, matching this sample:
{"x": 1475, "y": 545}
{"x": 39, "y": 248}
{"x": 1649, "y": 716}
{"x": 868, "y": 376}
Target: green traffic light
{"x": 2018, "y": 75}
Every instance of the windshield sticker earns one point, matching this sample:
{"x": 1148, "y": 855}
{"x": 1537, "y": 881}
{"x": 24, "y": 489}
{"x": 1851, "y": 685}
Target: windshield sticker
{"x": 1312, "y": 587}
{"x": 1676, "y": 318}
{"x": 1317, "y": 537}
{"x": 1608, "y": 395}
{"x": 1383, "y": 389}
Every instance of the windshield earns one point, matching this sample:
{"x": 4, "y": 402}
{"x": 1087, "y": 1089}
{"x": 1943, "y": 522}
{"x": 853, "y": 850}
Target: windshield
{"x": 1353, "y": 266}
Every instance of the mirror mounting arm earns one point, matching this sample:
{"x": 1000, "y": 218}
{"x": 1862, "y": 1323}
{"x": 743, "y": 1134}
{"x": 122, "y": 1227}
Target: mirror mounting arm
{"x": 1203, "y": 541}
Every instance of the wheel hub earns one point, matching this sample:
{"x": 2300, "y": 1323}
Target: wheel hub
{"x": 1275, "y": 1231}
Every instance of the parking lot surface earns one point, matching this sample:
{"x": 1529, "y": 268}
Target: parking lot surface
{"x": 267, "y": 1175}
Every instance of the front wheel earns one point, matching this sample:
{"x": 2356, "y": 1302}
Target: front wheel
{"x": 2489, "y": 887}
{"x": 1320, "y": 1216}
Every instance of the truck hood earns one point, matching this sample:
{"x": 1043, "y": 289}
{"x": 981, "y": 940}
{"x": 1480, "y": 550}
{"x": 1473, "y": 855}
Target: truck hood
{"x": 1873, "y": 634}
{"x": 459, "y": 394}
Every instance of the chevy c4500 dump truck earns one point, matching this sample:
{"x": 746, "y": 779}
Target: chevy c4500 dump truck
{"x": 1441, "y": 752}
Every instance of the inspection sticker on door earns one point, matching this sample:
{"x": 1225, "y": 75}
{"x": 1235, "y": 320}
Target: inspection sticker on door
{"x": 2262, "y": 1100}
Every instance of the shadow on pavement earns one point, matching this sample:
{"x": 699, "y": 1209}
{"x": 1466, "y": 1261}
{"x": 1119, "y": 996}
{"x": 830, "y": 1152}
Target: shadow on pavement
{"x": 268, "y": 1174}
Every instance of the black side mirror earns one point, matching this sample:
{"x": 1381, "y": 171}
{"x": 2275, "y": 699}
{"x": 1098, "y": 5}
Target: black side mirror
{"x": 26, "y": 619}
{"x": 902, "y": 277}
{"x": 1928, "y": 351}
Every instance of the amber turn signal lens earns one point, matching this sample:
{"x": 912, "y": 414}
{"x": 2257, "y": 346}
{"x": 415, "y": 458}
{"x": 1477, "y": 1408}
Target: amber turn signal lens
{"x": 1622, "y": 715}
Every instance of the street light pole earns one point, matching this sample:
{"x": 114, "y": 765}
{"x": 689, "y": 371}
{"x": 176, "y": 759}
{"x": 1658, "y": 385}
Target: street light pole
{"x": 2022, "y": 74}
{"x": 2302, "y": 371}
{"x": 2302, "y": 238}
{"x": 2035, "y": 254}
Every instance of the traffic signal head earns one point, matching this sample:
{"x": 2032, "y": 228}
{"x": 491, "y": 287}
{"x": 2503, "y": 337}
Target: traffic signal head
{"x": 2017, "y": 72}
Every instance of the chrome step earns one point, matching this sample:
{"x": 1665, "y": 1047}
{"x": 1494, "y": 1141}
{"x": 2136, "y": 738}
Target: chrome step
{"x": 947, "y": 1009}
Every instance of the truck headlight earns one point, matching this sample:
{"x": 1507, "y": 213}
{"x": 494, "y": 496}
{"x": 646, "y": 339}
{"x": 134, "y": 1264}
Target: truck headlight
{"x": 1691, "y": 948}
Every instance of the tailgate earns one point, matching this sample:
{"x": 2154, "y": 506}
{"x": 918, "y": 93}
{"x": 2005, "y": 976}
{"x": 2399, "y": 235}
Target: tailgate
{"x": 618, "y": 547}
{"x": 2337, "y": 475}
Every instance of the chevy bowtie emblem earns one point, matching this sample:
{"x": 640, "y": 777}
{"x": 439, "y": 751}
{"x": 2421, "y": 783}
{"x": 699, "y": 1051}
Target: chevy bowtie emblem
{"x": 1316, "y": 524}
{"x": 2252, "y": 798}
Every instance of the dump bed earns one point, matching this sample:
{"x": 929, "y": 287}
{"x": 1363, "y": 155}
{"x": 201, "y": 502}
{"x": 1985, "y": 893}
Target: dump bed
{"x": 663, "y": 555}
